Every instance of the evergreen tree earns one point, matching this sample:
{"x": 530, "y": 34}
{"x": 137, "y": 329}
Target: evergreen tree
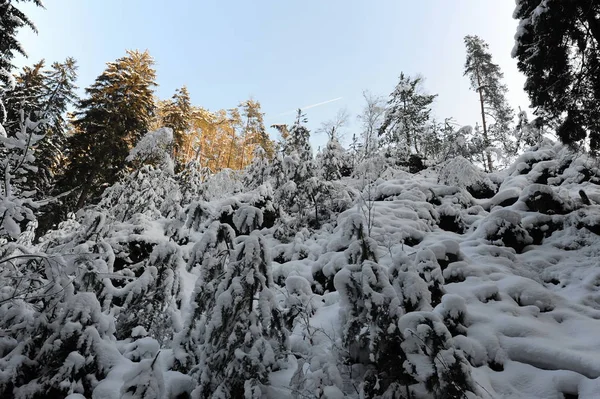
{"x": 211, "y": 255}
{"x": 109, "y": 121}
{"x": 429, "y": 270}
{"x": 432, "y": 359}
{"x": 406, "y": 118}
{"x": 257, "y": 172}
{"x": 26, "y": 96}
{"x": 333, "y": 160}
{"x": 298, "y": 140}
{"x": 558, "y": 50}
{"x": 254, "y": 130}
{"x": 178, "y": 116}
{"x": 43, "y": 94}
{"x": 244, "y": 336}
{"x": 11, "y": 20}
{"x": 486, "y": 80}
{"x": 59, "y": 94}
{"x": 17, "y": 205}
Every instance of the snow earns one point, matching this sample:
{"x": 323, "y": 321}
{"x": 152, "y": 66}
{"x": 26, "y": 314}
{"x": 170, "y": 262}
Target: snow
{"x": 513, "y": 299}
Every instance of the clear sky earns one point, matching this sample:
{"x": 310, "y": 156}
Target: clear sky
{"x": 285, "y": 53}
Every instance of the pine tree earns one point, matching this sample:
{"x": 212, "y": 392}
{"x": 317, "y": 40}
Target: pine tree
{"x": 430, "y": 271}
{"x": 486, "y": 80}
{"x": 11, "y": 20}
{"x": 558, "y": 50}
{"x": 432, "y": 359}
{"x": 109, "y": 121}
{"x": 406, "y": 118}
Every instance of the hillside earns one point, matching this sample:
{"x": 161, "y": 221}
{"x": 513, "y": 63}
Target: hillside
{"x": 449, "y": 282}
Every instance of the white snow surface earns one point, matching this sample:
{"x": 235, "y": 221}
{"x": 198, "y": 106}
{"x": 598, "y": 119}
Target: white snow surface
{"x": 531, "y": 319}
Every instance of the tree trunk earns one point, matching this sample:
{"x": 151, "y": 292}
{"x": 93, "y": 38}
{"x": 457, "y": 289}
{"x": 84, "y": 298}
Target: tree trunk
{"x": 231, "y": 147}
{"x": 594, "y": 25}
{"x": 485, "y": 135}
{"x": 85, "y": 190}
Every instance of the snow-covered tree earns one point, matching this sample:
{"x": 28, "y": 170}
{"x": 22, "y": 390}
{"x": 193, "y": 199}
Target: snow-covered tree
{"x": 333, "y": 161}
{"x": 298, "y": 140}
{"x": 17, "y": 205}
{"x": 244, "y": 334}
{"x": 371, "y": 118}
{"x": 486, "y": 80}
{"x": 258, "y": 170}
{"x": 211, "y": 254}
{"x": 12, "y": 19}
{"x": 406, "y": 118}
{"x": 370, "y": 333}
{"x": 432, "y": 360}
{"x": 429, "y": 270}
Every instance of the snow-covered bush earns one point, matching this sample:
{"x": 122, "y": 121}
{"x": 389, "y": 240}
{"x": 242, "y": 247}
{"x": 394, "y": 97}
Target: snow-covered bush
{"x": 461, "y": 173}
{"x": 503, "y": 227}
{"x": 154, "y": 148}
{"x": 438, "y": 368}
{"x": 429, "y": 270}
{"x": 370, "y": 311}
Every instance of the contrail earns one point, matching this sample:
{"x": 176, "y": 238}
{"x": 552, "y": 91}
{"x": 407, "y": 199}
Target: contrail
{"x": 311, "y": 106}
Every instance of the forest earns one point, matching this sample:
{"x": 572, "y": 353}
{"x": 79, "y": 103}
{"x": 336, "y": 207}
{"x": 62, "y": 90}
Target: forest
{"x": 153, "y": 248}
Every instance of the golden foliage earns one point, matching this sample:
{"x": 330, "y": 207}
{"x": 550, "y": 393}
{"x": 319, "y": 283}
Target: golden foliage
{"x": 221, "y": 139}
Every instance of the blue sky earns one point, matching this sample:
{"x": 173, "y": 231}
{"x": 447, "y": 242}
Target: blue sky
{"x": 286, "y": 54}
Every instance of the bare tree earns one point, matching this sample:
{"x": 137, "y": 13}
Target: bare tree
{"x": 371, "y": 118}
{"x": 333, "y": 127}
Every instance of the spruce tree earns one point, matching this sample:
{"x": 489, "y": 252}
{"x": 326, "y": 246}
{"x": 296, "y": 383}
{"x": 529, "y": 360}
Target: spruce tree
{"x": 244, "y": 337}
{"x": 11, "y": 20}
{"x": 486, "y": 80}
{"x": 298, "y": 139}
{"x": 178, "y": 116}
{"x": 108, "y": 123}
{"x": 406, "y": 117}
{"x": 26, "y": 96}
{"x": 558, "y": 50}
{"x": 43, "y": 94}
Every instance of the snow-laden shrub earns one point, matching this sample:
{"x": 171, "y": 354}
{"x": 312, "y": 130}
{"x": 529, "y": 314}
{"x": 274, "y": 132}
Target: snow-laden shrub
{"x": 154, "y": 148}
{"x": 461, "y": 173}
{"x": 429, "y": 270}
{"x": 542, "y": 198}
{"x": 371, "y": 310}
{"x": 300, "y": 302}
{"x": 503, "y": 227}
{"x": 439, "y": 369}
{"x": 453, "y": 312}
{"x": 450, "y": 218}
